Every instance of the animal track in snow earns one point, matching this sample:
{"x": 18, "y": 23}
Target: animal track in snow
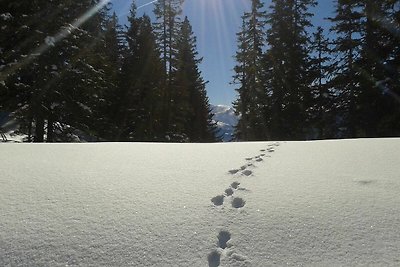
{"x": 243, "y": 167}
{"x": 223, "y": 238}
{"x": 238, "y": 257}
{"x": 247, "y": 172}
{"x": 229, "y": 191}
{"x": 235, "y": 185}
{"x": 238, "y": 202}
{"x": 233, "y": 171}
{"x": 243, "y": 189}
{"x": 214, "y": 258}
{"x": 365, "y": 182}
{"x": 248, "y": 158}
{"x": 218, "y": 200}
{"x": 262, "y": 150}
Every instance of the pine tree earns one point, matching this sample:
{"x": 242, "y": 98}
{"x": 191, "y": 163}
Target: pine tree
{"x": 166, "y": 27}
{"x": 149, "y": 84}
{"x": 22, "y": 33}
{"x": 287, "y": 63}
{"x": 381, "y": 32}
{"x": 191, "y": 112}
{"x": 139, "y": 113}
{"x": 129, "y": 74}
{"x": 55, "y": 70}
{"x": 390, "y": 124}
{"x": 320, "y": 111}
{"x": 240, "y": 78}
{"x": 108, "y": 101}
{"x": 374, "y": 51}
{"x": 348, "y": 28}
{"x": 250, "y": 105}
{"x": 84, "y": 79}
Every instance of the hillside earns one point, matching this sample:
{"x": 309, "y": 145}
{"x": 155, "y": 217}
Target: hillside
{"x": 319, "y": 203}
{"x": 226, "y": 121}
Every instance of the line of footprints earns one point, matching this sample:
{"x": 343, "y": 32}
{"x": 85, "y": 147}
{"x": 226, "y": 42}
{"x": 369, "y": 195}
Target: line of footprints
{"x": 214, "y": 257}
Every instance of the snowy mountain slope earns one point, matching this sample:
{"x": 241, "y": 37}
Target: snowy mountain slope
{"x": 8, "y": 129}
{"x": 226, "y": 121}
{"x": 293, "y": 203}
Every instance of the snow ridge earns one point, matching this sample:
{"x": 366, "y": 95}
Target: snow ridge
{"x": 224, "y": 249}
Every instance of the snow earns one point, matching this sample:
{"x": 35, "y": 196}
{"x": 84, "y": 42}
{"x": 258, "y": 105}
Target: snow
{"x": 50, "y": 41}
{"x": 319, "y": 203}
{"x": 225, "y": 114}
{"x": 226, "y": 121}
{"x": 6, "y": 16}
{"x": 8, "y": 127}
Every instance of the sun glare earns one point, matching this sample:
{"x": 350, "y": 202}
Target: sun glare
{"x": 51, "y": 41}
{"x": 221, "y": 15}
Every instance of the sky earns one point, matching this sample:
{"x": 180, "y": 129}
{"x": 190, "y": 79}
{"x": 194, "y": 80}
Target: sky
{"x": 215, "y": 24}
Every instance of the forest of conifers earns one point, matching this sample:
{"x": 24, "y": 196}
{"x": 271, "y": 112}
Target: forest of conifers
{"x": 295, "y": 83}
{"x": 64, "y": 69}
{"x": 138, "y": 83}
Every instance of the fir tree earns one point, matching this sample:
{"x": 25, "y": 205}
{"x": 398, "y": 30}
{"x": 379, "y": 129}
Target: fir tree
{"x": 192, "y": 114}
{"x": 139, "y": 113}
{"x": 287, "y": 61}
{"x": 109, "y": 101}
{"x": 166, "y": 28}
{"x": 347, "y": 26}
{"x": 384, "y": 35}
{"x": 56, "y": 74}
{"x": 320, "y": 111}
{"x": 391, "y": 124}
{"x": 149, "y": 84}
{"x": 250, "y": 105}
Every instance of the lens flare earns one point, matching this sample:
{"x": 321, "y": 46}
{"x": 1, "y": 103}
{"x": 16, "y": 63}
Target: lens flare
{"x": 51, "y": 41}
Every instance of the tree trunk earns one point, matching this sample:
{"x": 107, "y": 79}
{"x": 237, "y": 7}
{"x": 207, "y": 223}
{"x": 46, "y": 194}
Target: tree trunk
{"x": 50, "y": 129}
{"x": 39, "y": 130}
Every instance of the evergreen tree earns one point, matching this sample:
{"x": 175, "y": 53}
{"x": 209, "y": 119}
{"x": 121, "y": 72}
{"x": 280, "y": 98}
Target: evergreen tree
{"x": 374, "y": 52}
{"x": 139, "y": 113}
{"x": 166, "y": 27}
{"x": 320, "y": 111}
{"x": 381, "y": 61}
{"x": 250, "y": 105}
{"x": 84, "y": 79}
{"x": 390, "y": 124}
{"x": 57, "y": 80}
{"x": 191, "y": 112}
{"x": 288, "y": 62}
{"x": 149, "y": 85}
{"x": 348, "y": 28}
{"x": 240, "y": 78}
{"x": 109, "y": 101}
{"x": 23, "y": 31}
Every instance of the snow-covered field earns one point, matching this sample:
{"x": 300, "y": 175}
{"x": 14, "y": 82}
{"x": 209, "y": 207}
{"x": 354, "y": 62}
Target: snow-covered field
{"x": 321, "y": 203}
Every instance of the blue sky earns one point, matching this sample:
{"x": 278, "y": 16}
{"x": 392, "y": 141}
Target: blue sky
{"x": 215, "y": 23}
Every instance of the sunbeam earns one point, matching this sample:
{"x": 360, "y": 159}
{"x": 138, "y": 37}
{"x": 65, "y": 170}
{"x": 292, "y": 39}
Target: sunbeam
{"x": 50, "y": 41}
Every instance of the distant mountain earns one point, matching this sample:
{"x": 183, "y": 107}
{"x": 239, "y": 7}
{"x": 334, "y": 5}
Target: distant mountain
{"x": 226, "y": 121}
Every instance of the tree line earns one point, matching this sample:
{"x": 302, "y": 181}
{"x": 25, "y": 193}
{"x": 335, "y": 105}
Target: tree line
{"x": 296, "y": 81}
{"x": 68, "y": 68}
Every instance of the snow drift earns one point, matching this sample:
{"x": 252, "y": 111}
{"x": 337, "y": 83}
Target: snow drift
{"x": 239, "y": 204}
